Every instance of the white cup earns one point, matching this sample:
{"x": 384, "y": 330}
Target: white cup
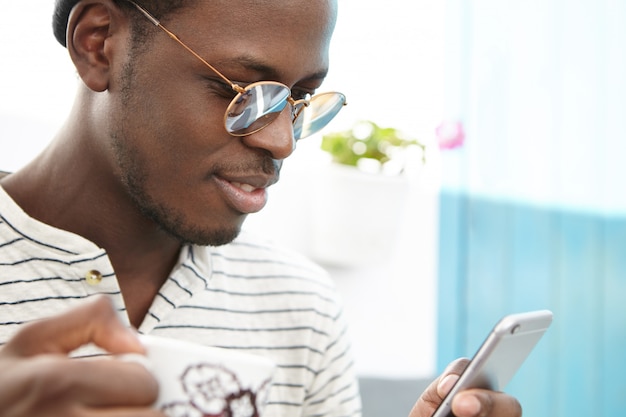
{"x": 202, "y": 381}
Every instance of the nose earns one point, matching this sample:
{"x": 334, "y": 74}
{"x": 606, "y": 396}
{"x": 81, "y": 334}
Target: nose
{"x": 276, "y": 138}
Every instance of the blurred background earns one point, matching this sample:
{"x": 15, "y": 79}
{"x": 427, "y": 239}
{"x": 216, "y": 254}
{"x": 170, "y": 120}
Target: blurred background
{"x": 517, "y": 207}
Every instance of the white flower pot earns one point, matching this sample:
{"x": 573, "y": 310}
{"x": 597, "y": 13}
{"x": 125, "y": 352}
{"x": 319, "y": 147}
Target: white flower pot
{"x": 356, "y": 216}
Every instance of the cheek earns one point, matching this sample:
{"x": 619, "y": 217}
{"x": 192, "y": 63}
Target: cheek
{"x": 178, "y": 127}
{"x": 168, "y": 117}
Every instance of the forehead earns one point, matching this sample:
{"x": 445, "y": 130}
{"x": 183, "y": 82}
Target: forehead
{"x": 291, "y": 36}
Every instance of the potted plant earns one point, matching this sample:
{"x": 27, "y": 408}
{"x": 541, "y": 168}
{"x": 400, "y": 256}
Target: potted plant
{"x": 371, "y": 148}
{"x": 361, "y": 198}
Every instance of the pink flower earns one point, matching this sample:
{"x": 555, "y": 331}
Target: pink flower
{"x": 450, "y": 134}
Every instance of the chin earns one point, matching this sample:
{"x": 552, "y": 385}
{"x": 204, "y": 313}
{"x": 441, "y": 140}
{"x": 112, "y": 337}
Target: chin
{"x": 215, "y": 232}
{"x": 205, "y": 237}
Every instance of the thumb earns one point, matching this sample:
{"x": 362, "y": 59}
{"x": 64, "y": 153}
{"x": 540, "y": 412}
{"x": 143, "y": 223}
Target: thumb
{"x": 92, "y": 322}
{"x": 433, "y": 395}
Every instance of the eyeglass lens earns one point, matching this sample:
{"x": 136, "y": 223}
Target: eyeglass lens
{"x": 255, "y": 108}
{"x": 321, "y": 110}
{"x": 261, "y": 103}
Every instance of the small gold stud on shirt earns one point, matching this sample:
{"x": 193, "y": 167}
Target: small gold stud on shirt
{"x": 93, "y": 277}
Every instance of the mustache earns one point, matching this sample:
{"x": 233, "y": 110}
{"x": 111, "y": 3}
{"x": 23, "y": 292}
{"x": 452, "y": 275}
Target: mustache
{"x": 264, "y": 164}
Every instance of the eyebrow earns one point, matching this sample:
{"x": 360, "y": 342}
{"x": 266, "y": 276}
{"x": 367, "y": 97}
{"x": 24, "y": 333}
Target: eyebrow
{"x": 248, "y": 62}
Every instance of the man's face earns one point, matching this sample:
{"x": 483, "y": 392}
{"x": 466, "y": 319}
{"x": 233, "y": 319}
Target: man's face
{"x": 173, "y": 154}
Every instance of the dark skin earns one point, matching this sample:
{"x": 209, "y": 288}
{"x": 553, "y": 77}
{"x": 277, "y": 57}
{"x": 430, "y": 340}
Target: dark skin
{"x": 144, "y": 164}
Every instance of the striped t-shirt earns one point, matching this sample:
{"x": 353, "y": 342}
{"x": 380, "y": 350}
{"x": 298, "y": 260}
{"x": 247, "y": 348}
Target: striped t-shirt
{"x": 248, "y": 296}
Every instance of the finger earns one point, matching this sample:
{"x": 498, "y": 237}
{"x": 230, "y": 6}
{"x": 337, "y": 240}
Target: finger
{"x": 483, "y": 403}
{"x": 449, "y": 376}
{"x": 438, "y": 389}
{"x": 111, "y": 382}
{"x": 91, "y": 383}
{"x": 427, "y": 402}
{"x": 92, "y": 322}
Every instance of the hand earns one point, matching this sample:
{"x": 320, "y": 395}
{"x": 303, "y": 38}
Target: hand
{"x": 468, "y": 403}
{"x": 37, "y": 378}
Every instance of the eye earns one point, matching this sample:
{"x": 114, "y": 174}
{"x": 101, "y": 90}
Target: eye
{"x": 301, "y": 94}
{"x": 220, "y": 88}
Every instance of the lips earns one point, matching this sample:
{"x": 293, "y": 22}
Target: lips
{"x": 245, "y": 196}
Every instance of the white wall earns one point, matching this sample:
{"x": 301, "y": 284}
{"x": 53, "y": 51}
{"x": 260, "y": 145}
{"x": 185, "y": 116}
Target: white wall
{"x": 37, "y": 83}
{"x": 387, "y": 58}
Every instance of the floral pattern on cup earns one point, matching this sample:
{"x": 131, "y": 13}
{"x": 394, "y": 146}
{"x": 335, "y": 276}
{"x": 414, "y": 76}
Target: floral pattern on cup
{"x": 215, "y": 391}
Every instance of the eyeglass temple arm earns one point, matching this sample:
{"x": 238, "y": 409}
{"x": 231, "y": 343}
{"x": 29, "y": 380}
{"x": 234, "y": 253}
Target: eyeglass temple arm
{"x": 158, "y": 24}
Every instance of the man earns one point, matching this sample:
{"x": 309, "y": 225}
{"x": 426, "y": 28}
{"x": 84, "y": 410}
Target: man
{"x": 183, "y": 116}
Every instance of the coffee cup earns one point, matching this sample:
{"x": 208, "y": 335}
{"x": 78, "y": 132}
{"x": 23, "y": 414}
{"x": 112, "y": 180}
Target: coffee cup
{"x": 196, "y": 380}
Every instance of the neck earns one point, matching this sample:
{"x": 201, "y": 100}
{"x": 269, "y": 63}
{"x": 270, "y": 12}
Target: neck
{"x": 70, "y": 188}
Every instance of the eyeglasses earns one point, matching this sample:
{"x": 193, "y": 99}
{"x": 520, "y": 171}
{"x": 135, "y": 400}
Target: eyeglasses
{"x": 258, "y": 104}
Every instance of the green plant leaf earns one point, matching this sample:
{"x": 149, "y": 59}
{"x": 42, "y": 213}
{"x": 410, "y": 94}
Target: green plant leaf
{"x": 366, "y": 140}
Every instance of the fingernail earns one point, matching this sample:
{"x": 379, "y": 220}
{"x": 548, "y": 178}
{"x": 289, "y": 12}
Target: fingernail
{"x": 467, "y": 404}
{"x": 446, "y": 384}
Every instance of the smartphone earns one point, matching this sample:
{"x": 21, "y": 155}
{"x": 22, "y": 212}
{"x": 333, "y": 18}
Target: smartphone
{"x": 501, "y": 354}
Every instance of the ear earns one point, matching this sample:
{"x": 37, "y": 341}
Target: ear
{"x": 95, "y": 31}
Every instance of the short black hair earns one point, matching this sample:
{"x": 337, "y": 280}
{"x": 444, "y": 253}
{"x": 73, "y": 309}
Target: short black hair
{"x": 60, "y": 17}
{"x": 62, "y": 9}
